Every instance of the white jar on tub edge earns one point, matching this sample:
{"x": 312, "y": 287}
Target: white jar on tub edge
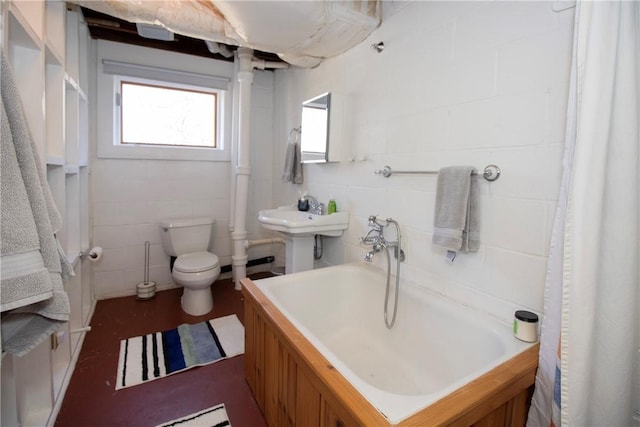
{"x": 525, "y": 326}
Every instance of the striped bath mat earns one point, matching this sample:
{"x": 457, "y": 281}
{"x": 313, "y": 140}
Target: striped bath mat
{"x": 156, "y": 355}
{"x": 214, "y": 417}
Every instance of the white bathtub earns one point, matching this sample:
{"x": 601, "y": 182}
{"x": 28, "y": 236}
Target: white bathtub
{"x": 435, "y": 347}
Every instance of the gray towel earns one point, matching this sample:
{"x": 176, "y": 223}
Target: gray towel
{"x": 456, "y": 212}
{"x": 292, "y": 171}
{"x": 33, "y": 265}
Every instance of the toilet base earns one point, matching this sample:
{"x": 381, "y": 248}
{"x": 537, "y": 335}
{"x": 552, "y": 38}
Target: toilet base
{"x": 197, "y": 302}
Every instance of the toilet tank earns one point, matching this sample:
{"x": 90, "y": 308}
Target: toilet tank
{"x": 186, "y": 235}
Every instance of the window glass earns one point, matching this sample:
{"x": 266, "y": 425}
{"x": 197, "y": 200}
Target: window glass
{"x": 154, "y": 114}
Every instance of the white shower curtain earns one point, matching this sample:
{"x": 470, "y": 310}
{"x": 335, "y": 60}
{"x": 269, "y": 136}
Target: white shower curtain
{"x": 589, "y": 354}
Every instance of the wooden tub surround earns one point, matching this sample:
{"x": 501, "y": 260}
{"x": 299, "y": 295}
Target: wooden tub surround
{"x": 295, "y": 385}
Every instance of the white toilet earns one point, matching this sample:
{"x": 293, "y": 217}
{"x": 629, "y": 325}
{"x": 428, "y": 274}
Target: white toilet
{"x": 195, "y": 268}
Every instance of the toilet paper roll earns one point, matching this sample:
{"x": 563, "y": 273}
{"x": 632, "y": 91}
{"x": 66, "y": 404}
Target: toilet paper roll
{"x": 95, "y": 253}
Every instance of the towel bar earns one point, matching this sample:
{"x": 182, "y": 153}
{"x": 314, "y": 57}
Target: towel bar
{"x": 490, "y": 173}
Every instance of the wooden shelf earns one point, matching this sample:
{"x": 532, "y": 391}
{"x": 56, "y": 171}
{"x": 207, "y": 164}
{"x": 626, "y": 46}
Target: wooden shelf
{"x": 71, "y": 82}
{"x": 54, "y": 113}
{"x": 72, "y": 55}
{"x": 55, "y": 161}
{"x": 21, "y": 32}
{"x": 71, "y": 169}
{"x": 52, "y": 57}
{"x": 55, "y": 27}
{"x": 47, "y": 48}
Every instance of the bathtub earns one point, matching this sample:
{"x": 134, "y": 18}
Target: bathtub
{"x": 436, "y": 346}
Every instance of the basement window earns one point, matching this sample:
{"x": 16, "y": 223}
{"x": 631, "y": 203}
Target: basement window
{"x": 167, "y": 115}
{"x": 155, "y": 113}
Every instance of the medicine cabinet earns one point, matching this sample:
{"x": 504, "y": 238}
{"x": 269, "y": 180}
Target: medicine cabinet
{"x": 321, "y": 134}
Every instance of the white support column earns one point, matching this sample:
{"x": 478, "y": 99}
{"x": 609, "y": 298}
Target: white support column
{"x": 243, "y": 169}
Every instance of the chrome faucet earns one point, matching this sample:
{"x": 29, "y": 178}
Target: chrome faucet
{"x": 377, "y": 248}
{"x": 375, "y": 238}
{"x": 315, "y": 207}
{"x": 373, "y": 222}
{"x": 368, "y": 239}
{"x": 369, "y": 256}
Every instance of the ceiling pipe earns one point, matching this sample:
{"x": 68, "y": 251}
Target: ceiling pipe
{"x": 218, "y": 48}
{"x": 261, "y": 64}
{"x": 154, "y": 32}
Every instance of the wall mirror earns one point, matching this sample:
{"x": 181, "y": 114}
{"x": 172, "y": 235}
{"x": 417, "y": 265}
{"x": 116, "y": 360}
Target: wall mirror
{"x": 315, "y": 131}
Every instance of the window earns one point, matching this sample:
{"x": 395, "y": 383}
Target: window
{"x": 154, "y": 114}
{"x": 149, "y": 111}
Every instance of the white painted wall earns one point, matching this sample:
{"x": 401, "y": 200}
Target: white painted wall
{"x": 458, "y": 83}
{"x": 131, "y": 197}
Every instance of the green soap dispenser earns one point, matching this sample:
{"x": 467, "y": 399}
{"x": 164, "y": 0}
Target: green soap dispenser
{"x": 332, "y": 208}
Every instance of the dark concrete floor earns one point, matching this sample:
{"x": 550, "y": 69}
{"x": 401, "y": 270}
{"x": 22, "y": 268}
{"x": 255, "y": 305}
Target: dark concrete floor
{"x": 91, "y": 399}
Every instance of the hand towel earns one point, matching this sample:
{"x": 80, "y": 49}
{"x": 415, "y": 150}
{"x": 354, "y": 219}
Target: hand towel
{"x": 456, "y": 211}
{"x": 34, "y": 303}
{"x": 292, "y": 171}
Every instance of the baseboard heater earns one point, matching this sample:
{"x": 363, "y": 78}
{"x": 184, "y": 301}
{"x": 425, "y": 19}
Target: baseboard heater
{"x": 250, "y": 263}
{"x": 229, "y": 268}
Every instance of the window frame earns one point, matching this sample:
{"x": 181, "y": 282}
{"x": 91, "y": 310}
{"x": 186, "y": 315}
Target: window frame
{"x": 162, "y": 69}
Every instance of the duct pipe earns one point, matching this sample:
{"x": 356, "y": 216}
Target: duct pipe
{"x": 218, "y": 48}
{"x": 261, "y": 64}
{"x": 250, "y": 243}
{"x": 243, "y": 169}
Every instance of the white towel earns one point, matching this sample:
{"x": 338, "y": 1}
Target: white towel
{"x": 456, "y": 212}
{"x": 33, "y": 265}
{"x": 292, "y": 171}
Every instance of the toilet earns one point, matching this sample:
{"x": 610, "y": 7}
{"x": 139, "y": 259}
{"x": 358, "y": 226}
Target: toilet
{"x": 194, "y": 268}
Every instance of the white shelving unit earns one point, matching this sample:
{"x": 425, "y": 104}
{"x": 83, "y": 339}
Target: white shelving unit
{"x": 47, "y": 46}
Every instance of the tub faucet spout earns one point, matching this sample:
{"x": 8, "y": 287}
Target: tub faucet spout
{"x": 378, "y": 247}
{"x": 368, "y": 239}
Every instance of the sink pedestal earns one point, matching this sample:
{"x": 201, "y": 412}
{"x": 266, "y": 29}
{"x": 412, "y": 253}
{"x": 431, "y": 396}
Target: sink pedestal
{"x": 298, "y": 253}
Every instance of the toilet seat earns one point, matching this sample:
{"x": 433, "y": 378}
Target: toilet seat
{"x": 196, "y": 262}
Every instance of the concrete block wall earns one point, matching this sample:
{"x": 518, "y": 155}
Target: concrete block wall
{"x": 458, "y": 83}
{"x": 130, "y": 197}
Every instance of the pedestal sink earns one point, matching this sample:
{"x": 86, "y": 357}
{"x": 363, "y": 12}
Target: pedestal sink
{"x": 298, "y": 229}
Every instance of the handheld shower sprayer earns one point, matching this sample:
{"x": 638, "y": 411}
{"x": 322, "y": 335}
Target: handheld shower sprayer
{"x": 375, "y": 238}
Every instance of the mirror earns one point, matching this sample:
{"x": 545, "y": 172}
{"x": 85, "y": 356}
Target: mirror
{"x": 315, "y": 129}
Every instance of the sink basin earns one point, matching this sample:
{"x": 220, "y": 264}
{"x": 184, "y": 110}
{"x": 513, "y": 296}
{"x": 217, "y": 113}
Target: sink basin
{"x": 299, "y": 229}
{"x": 288, "y": 220}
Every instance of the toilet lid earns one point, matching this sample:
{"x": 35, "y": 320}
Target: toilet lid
{"x": 196, "y": 262}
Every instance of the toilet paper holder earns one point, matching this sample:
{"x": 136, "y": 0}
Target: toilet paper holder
{"x": 93, "y": 254}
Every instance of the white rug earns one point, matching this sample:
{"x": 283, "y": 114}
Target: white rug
{"x": 152, "y": 356}
{"x": 215, "y": 416}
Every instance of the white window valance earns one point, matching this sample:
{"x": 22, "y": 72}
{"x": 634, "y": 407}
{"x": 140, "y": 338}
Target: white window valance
{"x": 164, "y": 74}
